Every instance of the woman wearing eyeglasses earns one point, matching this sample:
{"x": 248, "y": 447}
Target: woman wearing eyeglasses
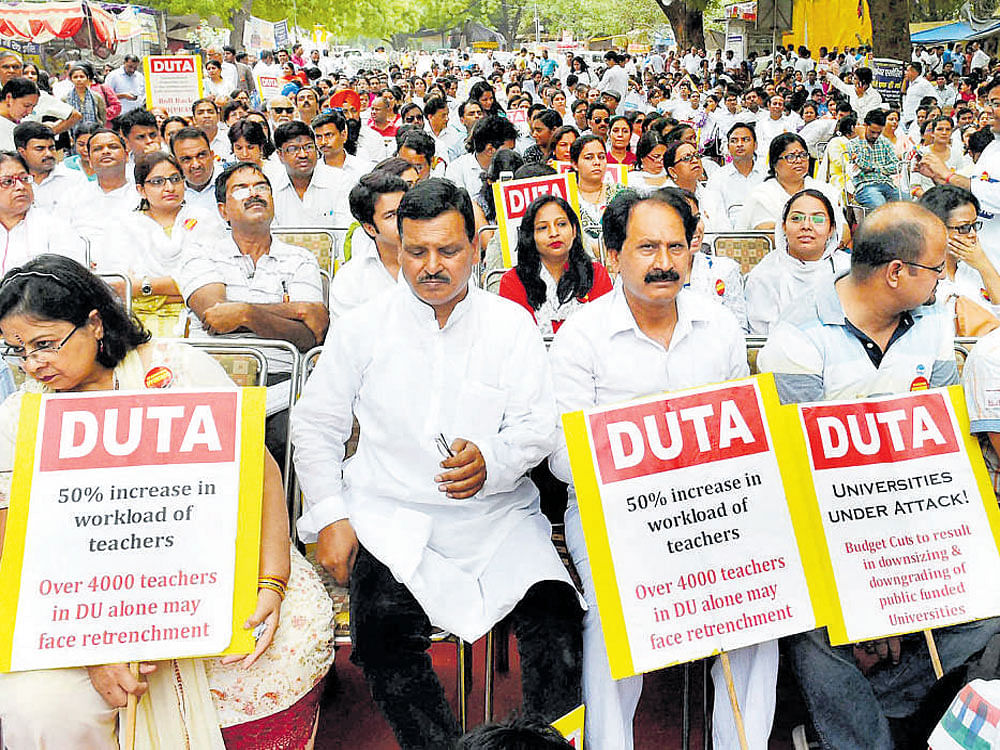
{"x": 27, "y": 230}
{"x": 806, "y": 251}
{"x": 70, "y": 334}
{"x": 152, "y": 239}
{"x": 971, "y": 287}
{"x": 682, "y": 164}
{"x": 788, "y": 175}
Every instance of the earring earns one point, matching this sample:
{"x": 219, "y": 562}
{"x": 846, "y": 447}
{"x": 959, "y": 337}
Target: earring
{"x": 100, "y": 345}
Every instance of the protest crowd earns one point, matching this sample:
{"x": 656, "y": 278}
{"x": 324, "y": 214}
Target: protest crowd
{"x": 427, "y": 440}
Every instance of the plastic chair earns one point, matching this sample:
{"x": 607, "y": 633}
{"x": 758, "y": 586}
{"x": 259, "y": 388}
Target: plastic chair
{"x": 748, "y": 248}
{"x": 323, "y": 242}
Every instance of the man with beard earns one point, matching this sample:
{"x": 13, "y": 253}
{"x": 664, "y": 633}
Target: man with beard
{"x": 673, "y": 337}
{"x": 55, "y": 183}
{"x": 873, "y": 331}
{"x": 370, "y": 145}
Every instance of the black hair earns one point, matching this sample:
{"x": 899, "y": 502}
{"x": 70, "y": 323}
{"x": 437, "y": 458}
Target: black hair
{"x": 941, "y": 200}
{"x": 144, "y": 166}
{"x": 464, "y": 105}
{"x": 979, "y": 140}
{"x": 670, "y": 155}
{"x": 491, "y": 131}
{"x": 594, "y": 106}
{"x": 420, "y": 141}
{"x": 476, "y": 92}
{"x": 222, "y": 183}
{"x": 615, "y": 221}
{"x": 676, "y": 133}
{"x": 231, "y": 106}
{"x": 876, "y": 117}
{"x": 578, "y": 145}
{"x": 204, "y": 100}
{"x": 559, "y": 133}
{"x": 504, "y": 160}
{"x": 812, "y": 193}
{"x": 31, "y": 131}
{"x": 747, "y": 125}
{"x": 777, "y": 148}
{"x": 138, "y": 117}
{"x": 431, "y": 198}
{"x": 172, "y": 118}
{"x": 6, "y": 156}
{"x": 434, "y": 104}
{"x": 394, "y": 165}
{"x": 288, "y": 130}
{"x": 366, "y": 192}
{"x": 188, "y": 134}
{"x": 578, "y": 278}
{"x": 19, "y": 88}
{"x": 647, "y": 142}
{"x": 863, "y": 76}
{"x": 846, "y": 125}
{"x": 407, "y": 108}
{"x": 550, "y": 118}
{"x": 253, "y": 133}
{"x": 54, "y": 287}
{"x": 106, "y": 131}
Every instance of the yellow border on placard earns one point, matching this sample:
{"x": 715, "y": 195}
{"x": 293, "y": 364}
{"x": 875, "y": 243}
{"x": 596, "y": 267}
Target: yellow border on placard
{"x": 571, "y": 722}
{"x": 975, "y": 454}
{"x": 147, "y": 72}
{"x": 602, "y": 567}
{"x": 572, "y": 191}
{"x": 248, "y": 518}
{"x": 789, "y": 448}
{"x": 17, "y": 522}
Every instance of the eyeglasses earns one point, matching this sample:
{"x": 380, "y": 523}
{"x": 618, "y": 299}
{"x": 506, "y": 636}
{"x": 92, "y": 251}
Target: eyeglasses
{"x": 415, "y": 118}
{"x": 967, "y": 228}
{"x": 174, "y": 179}
{"x": 936, "y": 269}
{"x": 282, "y": 110}
{"x": 686, "y": 159}
{"x": 296, "y": 148}
{"x": 242, "y": 193}
{"x": 44, "y": 352}
{"x": 800, "y": 218}
{"x": 601, "y": 119}
{"x": 795, "y": 156}
{"x": 8, "y": 182}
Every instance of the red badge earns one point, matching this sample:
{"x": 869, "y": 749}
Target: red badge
{"x": 159, "y": 377}
{"x": 986, "y": 295}
{"x": 985, "y": 176}
{"x": 190, "y": 224}
{"x": 720, "y": 287}
{"x": 556, "y": 325}
{"x": 919, "y": 384}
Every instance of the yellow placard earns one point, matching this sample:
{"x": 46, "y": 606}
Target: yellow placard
{"x": 570, "y": 726}
{"x": 508, "y": 222}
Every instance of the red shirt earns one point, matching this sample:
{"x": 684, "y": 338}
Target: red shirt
{"x": 511, "y": 288}
{"x": 629, "y": 159}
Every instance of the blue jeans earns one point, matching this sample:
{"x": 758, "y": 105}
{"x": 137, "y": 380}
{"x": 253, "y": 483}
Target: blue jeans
{"x": 876, "y": 193}
{"x": 851, "y": 710}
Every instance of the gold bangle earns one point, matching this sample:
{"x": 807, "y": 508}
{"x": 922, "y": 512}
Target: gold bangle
{"x": 279, "y": 590}
{"x": 283, "y": 580}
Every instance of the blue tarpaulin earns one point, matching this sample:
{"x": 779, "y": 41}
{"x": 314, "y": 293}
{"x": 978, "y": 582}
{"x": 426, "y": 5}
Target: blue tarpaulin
{"x": 959, "y": 31}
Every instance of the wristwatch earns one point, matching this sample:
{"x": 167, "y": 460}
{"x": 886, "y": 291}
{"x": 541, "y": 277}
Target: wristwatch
{"x": 147, "y": 286}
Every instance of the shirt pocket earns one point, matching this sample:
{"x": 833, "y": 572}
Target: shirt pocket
{"x": 479, "y": 412}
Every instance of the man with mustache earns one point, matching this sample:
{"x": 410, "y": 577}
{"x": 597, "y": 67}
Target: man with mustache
{"x": 370, "y": 145}
{"x": 307, "y": 192}
{"x": 249, "y": 284}
{"x": 651, "y": 334}
{"x": 55, "y": 183}
{"x": 434, "y": 519}
{"x": 193, "y": 151}
{"x": 873, "y": 331}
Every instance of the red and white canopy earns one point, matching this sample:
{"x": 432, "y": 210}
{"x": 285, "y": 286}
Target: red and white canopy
{"x": 42, "y": 22}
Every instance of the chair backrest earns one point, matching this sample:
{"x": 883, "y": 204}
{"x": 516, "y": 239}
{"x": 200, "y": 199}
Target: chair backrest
{"x": 745, "y": 247}
{"x": 323, "y": 242}
{"x": 491, "y": 281}
{"x": 119, "y": 279}
{"x": 245, "y": 365}
{"x": 754, "y": 345}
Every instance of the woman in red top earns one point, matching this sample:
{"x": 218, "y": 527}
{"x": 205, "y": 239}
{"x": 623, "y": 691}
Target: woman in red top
{"x": 554, "y": 275}
{"x": 620, "y": 142}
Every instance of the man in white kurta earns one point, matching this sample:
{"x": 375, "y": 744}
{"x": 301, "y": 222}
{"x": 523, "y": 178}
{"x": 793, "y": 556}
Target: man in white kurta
{"x": 651, "y": 334}
{"x": 431, "y": 368}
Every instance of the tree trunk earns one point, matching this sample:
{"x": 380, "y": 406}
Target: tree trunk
{"x": 237, "y": 21}
{"x": 687, "y": 22}
{"x": 891, "y": 30}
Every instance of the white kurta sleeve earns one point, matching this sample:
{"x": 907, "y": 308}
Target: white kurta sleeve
{"x": 527, "y": 429}
{"x": 573, "y": 376}
{"x": 321, "y": 423}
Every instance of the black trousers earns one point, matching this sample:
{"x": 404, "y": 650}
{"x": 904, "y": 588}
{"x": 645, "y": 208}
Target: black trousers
{"x": 390, "y": 634}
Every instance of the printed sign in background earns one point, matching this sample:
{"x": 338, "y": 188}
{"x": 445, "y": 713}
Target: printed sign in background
{"x": 910, "y": 519}
{"x": 692, "y": 546}
{"x": 887, "y": 79}
{"x": 134, "y": 535}
{"x": 268, "y": 87}
{"x": 513, "y": 198}
{"x": 173, "y": 82}
{"x": 614, "y": 174}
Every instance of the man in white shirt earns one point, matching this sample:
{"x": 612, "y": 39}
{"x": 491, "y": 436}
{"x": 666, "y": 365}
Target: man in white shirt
{"x": 861, "y": 95}
{"x": 875, "y": 331}
{"x": 615, "y": 78}
{"x": 374, "y": 264}
{"x": 488, "y": 136}
{"x": 307, "y": 192}
{"x": 804, "y": 63}
{"x": 436, "y": 368}
{"x": 980, "y": 60}
{"x": 56, "y": 185}
{"x": 128, "y": 83}
{"x": 944, "y": 91}
{"x": 673, "y": 338}
{"x": 100, "y": 207}
{"x": 917, "y": 87}
{"x": 772, "y": 125}
{"x": 205, "y": 116}
{"x": 266, "y": 65}
{"x": 17, "y": 98}
{"x": 437, "y": 114}
{"x": 191, "y": 148}
{"x": 142, "y": 136}
{"x": 735, "y": 181}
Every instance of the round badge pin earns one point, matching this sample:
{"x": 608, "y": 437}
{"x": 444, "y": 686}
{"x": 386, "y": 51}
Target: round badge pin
{"x": 159, "y": 377}
{"x": 720, "y": 287}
